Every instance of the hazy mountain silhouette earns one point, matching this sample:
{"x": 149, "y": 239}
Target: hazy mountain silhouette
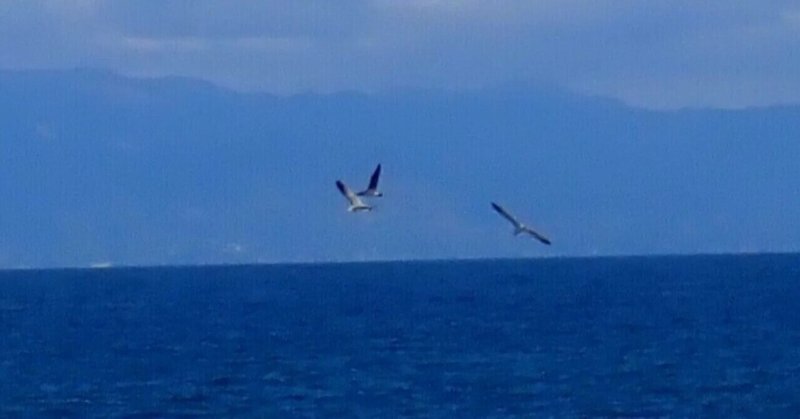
{"x": 98, "y": 167}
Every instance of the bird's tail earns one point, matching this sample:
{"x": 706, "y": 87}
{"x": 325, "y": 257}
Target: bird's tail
{"x": 519, "y": 230}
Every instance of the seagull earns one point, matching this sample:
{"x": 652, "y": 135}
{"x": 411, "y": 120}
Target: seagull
{"x": 372, "y": 189}
{"x": 519, "y": 228}
{"x": 356, "y": 204}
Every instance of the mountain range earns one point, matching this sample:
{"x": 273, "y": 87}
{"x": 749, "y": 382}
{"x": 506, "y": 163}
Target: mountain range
{"x": 97, "y": 168}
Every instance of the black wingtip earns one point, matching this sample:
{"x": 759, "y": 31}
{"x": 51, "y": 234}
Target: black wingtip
{"x": 545, "y": 241}
{"x": 373, "y": 180}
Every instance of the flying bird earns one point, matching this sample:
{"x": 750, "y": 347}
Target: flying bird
{"x": 372, "y": 189}
{"x": 356, "y": 204}
{"x": 519, "y": 228}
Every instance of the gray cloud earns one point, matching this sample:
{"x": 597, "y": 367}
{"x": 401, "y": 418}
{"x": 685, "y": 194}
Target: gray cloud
{"x": 655, "y": 53}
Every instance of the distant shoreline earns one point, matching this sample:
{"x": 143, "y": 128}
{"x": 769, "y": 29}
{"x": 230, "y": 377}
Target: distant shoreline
{"x": 112, "y": 267}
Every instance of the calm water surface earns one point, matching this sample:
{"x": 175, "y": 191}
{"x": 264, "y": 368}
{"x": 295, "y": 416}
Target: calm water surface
{"x": 714, "y": 336}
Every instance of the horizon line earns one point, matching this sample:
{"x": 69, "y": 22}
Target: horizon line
{"x": 111, "y": 266}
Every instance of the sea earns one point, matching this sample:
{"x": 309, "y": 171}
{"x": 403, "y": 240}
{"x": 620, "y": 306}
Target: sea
{"x": 633, "y": 337}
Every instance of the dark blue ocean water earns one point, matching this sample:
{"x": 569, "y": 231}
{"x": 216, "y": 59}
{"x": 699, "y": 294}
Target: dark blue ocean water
{"x": 619, "y": 337}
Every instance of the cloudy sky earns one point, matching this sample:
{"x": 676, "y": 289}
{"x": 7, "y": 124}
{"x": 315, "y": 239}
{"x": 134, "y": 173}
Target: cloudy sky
{"x": 659, "y": 54}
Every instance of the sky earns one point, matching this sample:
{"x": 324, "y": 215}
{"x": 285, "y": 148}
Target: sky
{"x": 655, "y": 54}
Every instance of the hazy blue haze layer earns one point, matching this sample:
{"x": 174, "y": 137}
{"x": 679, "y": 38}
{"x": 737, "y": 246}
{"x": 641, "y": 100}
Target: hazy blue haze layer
{"x": 664, "y": 54}
{"x": 97, "y": 168}
{"x": 703, "y": 336}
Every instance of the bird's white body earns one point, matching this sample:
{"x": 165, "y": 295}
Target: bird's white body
{"x": 356, "y": 204}
{"x": 519, "y": 228}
